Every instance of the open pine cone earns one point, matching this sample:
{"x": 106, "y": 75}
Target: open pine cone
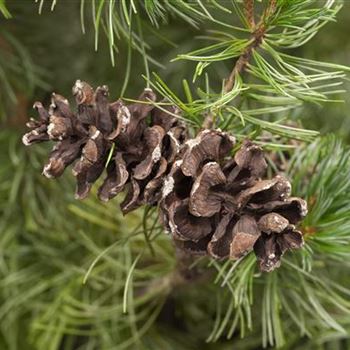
{"x": 210, "y": 202}
{"x": 143, "y": 150}
{"x": 223, "y": 208}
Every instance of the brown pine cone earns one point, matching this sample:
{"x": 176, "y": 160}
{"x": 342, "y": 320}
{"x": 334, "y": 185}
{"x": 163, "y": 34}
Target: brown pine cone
{"x": 223, "y": 208}
{"x": 143, "y": 150}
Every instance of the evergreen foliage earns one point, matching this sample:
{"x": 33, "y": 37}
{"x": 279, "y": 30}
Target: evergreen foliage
{"x": 78, "y": 275}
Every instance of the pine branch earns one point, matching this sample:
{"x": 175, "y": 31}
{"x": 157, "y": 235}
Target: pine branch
{"x": 243, "y": 60}
{"x": 276, "y": 79}
{"x": 249, "y": 13}
{"x": 256, "y": 39}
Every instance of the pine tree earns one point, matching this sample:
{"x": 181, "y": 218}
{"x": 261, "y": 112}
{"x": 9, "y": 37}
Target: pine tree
{"x": 80, "y": 275}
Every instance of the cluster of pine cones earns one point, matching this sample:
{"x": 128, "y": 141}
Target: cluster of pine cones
{"x": 210, "y": 201}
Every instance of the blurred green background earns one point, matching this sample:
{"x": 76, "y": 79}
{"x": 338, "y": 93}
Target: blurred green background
{"x": 48, "y": 241}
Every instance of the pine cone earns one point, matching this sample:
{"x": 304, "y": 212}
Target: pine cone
{"x": 143, "y": 153}
{"x": 223, "y": 208}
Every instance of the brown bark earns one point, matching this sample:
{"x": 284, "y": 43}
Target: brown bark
{"x": 243, "y": 60}
{"x": 249, "y": 13}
